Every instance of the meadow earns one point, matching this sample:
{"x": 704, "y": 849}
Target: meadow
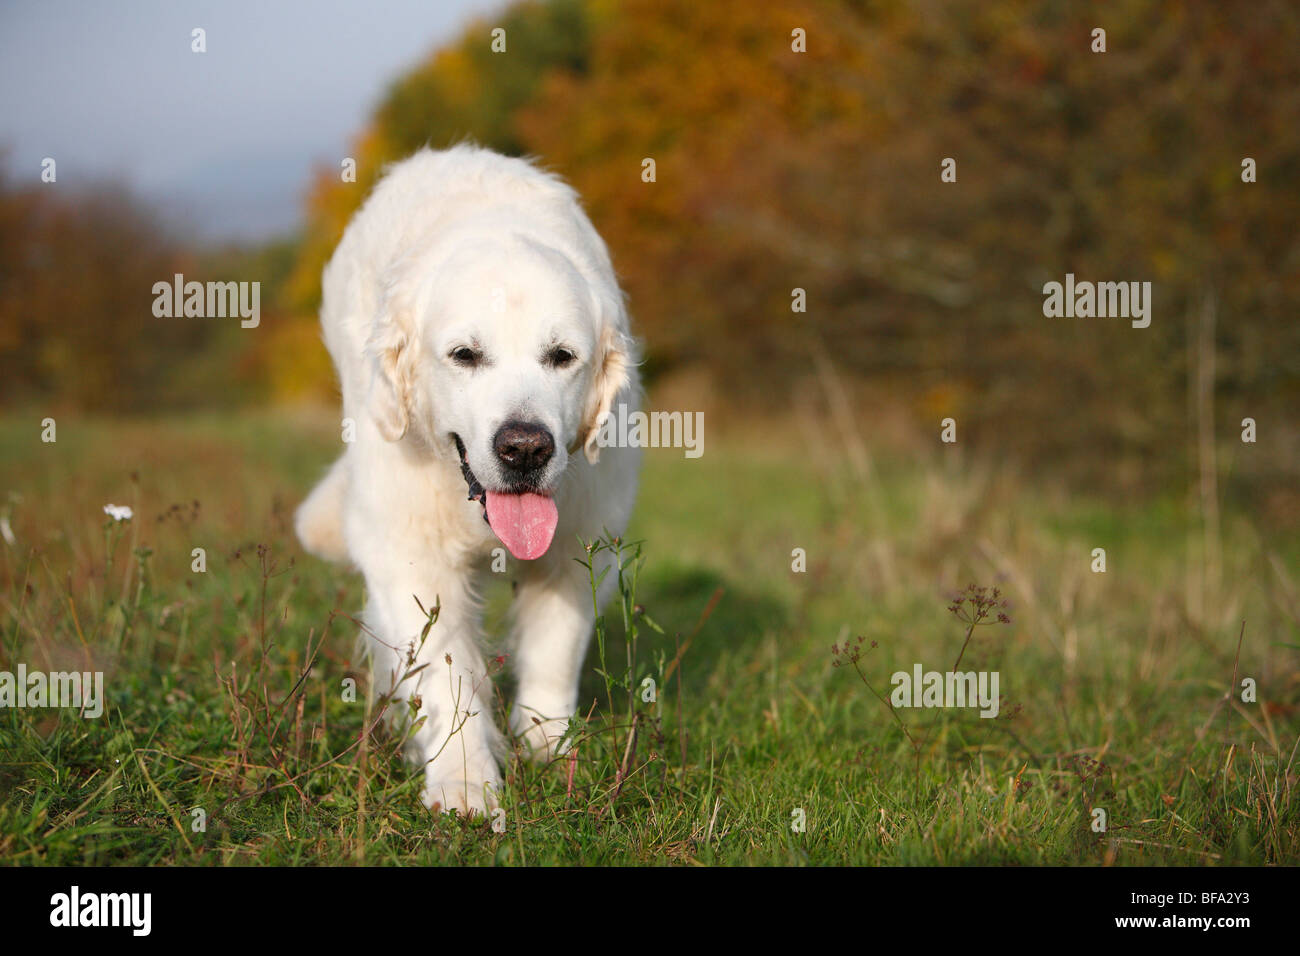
{"x": 766, "y": 738}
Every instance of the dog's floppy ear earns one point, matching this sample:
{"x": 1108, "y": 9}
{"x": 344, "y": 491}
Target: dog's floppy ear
{"x": 392, "y": 350}
{"x": 615, "y": 357}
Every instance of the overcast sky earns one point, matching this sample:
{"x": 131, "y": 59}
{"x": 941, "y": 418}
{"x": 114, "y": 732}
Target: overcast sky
{"x": 225, "y": 139}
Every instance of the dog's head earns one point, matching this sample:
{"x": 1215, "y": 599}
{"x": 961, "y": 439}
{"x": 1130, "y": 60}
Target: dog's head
{"x": 505, "y": 355}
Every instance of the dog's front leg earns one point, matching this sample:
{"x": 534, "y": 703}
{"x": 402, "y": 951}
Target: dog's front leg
{"x": 554, "y": 618}
{"x": 445, "y": 672}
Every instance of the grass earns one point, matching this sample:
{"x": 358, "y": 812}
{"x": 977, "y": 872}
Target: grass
{"x": 228, "y": 703}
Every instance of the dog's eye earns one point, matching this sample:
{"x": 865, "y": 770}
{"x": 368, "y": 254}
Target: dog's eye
{"x": 560, "y": 357}
{"x": 465, "y": 356}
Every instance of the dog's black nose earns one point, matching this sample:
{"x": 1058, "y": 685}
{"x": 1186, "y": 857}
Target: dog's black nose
{"x": 522, "y": 447}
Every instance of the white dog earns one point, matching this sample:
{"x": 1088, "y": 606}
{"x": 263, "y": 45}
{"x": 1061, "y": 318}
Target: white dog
{"x": 480, "y": 338}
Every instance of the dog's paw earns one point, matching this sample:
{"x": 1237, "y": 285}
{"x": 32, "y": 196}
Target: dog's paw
{"x": 472, "y": 800}
{"x": 459, "y": 797}
{"x": 542, "y": 740}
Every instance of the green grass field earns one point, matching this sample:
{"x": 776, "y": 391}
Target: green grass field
{"x": 225, "y": 688}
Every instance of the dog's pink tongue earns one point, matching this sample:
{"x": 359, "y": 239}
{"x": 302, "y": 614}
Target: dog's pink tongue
{"x": 524, "y": 523}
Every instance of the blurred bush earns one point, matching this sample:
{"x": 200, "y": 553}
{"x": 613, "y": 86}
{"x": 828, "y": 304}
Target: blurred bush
{"x": 77, "y": 329}
{"x": 821, "y": 170}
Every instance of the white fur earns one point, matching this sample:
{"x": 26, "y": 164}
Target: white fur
{"x": 455, "y": 247}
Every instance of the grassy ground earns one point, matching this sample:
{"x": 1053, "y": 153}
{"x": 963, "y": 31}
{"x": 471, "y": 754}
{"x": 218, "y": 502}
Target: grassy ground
{"x": 226, "y": 687}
